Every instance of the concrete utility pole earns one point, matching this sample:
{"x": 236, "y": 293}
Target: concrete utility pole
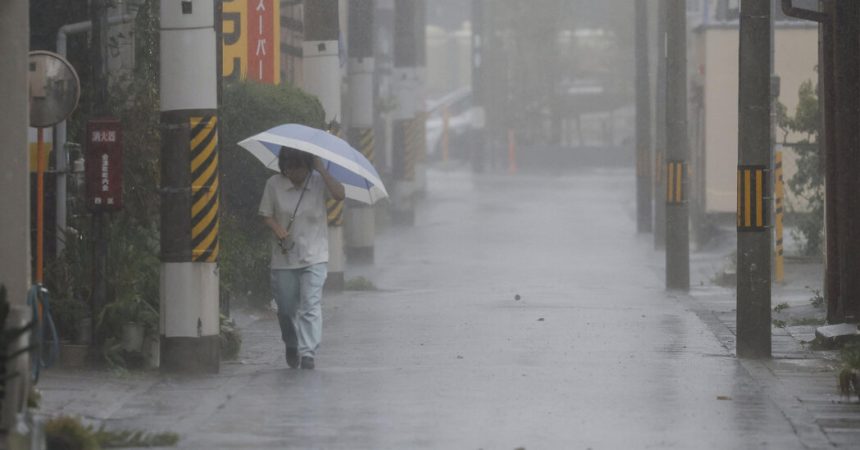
{"x": 360, "y": 223}
{"x": 321, "y": 77}
{"x": 189, "y": 187}
{"x": 643, "y": 122}
{"x": 677, "y": 149}
{"x": 15, "y": 171}
{"x": 479, "y": 90}
{"x": 827, "y": 90}
{"x": 660, "y": 135}
{"x": 419, "y": 133}
{"x": 405, "y": 84}
{"x": 754, "y": 199}
{"x": 384, "y": 59}
{"x": 846, "y": 61}
{"x": 827, "y": 100}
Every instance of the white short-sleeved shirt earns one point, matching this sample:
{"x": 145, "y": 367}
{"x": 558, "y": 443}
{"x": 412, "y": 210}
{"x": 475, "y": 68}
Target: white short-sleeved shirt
{"x": 309, "y": 231}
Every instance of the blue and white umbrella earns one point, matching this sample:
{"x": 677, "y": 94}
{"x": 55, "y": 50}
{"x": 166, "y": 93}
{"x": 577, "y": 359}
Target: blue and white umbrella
{"x": 346, "y": 164}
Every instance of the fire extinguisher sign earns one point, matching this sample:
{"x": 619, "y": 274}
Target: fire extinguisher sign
{"x": 104, "y": 165}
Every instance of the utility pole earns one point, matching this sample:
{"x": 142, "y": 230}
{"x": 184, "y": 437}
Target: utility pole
{"x": 321, "y": 77}
{"x": 405, "y": 85}
{"x": 754, "y": 199}
{"x": 360, "y": 223}
{"x": 190, "y": 195}
{"x": 643, "y": 122}
{"x": 827, "y": 101}
{"x": 846, "y": 59}
{"x": 660, "y": 135}
{"x": 419, "y": 134}
{"x": 14, "y": 173}
{"x": 384, "y": 61}
{"x": 479, "y": 90}
{"x": 677, "y": 149}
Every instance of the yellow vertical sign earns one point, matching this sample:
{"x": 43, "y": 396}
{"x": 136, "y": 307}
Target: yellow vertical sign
{"x": 252, "y": 40}
{"x": 235, "y": 37}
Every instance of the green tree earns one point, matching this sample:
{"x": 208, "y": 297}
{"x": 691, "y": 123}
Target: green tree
{"x": 808, "y": 182}
{"x": 247, "y": 109}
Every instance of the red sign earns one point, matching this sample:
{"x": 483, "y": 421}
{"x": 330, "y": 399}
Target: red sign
{"x": 262, "y": 46}
{"x": 104, "y": 165}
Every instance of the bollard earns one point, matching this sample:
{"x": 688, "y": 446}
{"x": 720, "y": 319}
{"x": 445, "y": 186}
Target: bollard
{"x": 512, "y": 152}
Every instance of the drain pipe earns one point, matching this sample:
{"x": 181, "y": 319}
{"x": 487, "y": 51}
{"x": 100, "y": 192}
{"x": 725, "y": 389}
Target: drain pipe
{"x": 61, "y": 155}
{"x": 790, "y": 10}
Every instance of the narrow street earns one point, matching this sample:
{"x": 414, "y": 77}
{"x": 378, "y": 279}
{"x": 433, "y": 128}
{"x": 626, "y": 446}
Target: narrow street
{"x": 520, "y": 311}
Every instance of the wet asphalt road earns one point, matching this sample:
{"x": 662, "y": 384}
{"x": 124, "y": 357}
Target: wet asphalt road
{"x": 595, "y": 354}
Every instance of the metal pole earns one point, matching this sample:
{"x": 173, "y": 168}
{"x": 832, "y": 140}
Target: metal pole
{"x": 677, "y": 149}
{"x": 754, "y": 199}
{"x": 643, "y": 122}
{"x": 405, "y": 83}
{"x": 40, "y": 205}
{"x": 189, "y": 187}
{"x": 660, "y": 125}
{"x": 360, "y": 222}
{"x": 14, "y": 172}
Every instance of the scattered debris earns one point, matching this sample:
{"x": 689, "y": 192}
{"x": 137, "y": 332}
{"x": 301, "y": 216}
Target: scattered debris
{"x": 780, "y": 307}
{"x": 517, "y": 297}
{"x": 814, "y": 321}
{"x": 849, "y": 383}
{"x": 817, "y": 299}
{"x": 849, "y": 376}
{"x": 723, "y": 397}
{"x": 830, "y": 336}
{"x": 359, "y": 284}
{"x": 540, "y": 320}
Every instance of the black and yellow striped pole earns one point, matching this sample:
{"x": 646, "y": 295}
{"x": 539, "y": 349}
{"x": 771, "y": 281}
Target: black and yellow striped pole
{"x": 190, "y": 190}
{"x": 677, "y": 149}
{"x": 779, "y": 214}
{"x": 360, "y": 229}
{"x": 753, "y": 184}
{"x": 405, "y": 83}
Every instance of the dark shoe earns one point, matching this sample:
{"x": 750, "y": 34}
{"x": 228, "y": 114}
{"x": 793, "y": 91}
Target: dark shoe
{"x": 307, "y": 363}
{"x": 292, "y": 357}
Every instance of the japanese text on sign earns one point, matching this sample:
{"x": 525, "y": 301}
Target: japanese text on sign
{"x": 104, "y": 165}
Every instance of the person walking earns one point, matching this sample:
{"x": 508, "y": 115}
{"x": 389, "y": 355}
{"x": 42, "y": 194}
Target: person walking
{"x": 293, "y": 207}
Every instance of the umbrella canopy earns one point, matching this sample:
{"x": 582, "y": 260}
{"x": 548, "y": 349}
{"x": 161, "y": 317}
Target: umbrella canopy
{"x": 346, "y": 164}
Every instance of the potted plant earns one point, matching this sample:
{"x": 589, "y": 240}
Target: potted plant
{"x": 129, "y": 318}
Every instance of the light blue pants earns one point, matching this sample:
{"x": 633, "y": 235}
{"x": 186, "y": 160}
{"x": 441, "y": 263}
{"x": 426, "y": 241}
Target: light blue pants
{"x": 298, "y": 293}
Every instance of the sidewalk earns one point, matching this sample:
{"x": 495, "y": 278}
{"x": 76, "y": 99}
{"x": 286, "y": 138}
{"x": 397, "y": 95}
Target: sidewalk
{"x": 466, "y": 346}
{"x": 801, "y": 380}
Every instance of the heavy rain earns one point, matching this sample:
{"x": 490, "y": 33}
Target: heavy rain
{"x": 429, "y": 224}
